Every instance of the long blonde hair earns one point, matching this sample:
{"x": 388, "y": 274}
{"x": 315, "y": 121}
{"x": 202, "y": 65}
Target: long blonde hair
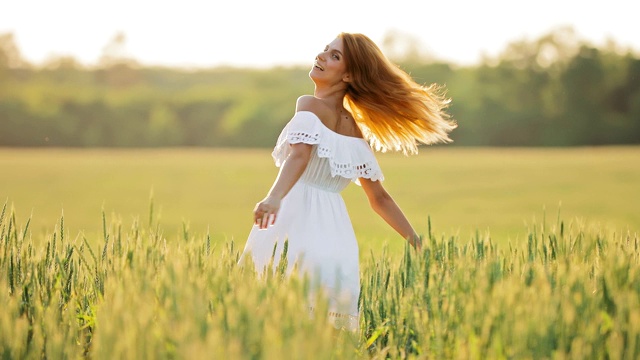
{"x": 393, "y": 111}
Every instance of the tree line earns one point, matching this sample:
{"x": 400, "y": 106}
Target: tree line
{"x": 556, "y": 90}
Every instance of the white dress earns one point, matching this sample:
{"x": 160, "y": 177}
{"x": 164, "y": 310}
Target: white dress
{"x": 313, "y": 217}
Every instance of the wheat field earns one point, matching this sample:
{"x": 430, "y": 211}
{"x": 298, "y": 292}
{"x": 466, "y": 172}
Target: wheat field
{"x": 529, "y": 254}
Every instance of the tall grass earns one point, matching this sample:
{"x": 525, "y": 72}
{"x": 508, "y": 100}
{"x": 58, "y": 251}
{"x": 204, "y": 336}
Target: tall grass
{"x": 569, "y": 291}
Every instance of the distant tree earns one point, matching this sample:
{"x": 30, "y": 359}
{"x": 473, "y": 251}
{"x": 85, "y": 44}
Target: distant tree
{"x": 405, "y": 48}
{"x": 551, "y": 50}
{"x": 11, "y": 60}
{"x": 163, "y": 127}
{"x": 200, "y": 121}
{"x": 64, "y": 69}
{"x": 115, "y": 52}
{"x": 584, "y": 84}
{"x": 10, "y": 56}
{"x": 117, "y": 67}
{"x": 624, "y": 102}
{"x": 63, "y": 63}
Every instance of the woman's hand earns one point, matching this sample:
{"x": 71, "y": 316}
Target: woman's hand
{"x": 265, "y": 212}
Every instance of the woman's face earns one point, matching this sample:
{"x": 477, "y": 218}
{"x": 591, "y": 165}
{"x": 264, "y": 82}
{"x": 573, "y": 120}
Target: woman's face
{"x": 329, "y": 66}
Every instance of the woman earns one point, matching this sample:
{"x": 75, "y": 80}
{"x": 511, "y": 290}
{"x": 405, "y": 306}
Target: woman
{"x": 361, "y": 100}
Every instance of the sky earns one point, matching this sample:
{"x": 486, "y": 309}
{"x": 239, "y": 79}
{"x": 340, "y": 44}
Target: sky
{"x": 265, "y": 33}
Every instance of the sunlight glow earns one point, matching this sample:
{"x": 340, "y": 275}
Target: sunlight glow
{"x": 284, "y": 32}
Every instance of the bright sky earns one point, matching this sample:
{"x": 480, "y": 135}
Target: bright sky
{"x": 264, "y": 33}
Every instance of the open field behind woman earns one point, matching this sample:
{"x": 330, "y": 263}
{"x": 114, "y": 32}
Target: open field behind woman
{"x": 494, "y": 191}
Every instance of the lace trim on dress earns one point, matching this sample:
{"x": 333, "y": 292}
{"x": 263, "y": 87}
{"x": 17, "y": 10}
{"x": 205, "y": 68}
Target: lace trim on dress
{"x": 349, "y": 157}
{"x": 302, "y": 137}
{"x": 350, "y": 171}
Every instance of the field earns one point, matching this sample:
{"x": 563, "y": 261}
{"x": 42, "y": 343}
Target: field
{"x": 131, "y": 254}
{"x": 463, "y": 190}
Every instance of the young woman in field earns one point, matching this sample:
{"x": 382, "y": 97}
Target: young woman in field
{"x": 361, "y": 102}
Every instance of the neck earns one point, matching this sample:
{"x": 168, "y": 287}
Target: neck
{"x": 333, "y": 95}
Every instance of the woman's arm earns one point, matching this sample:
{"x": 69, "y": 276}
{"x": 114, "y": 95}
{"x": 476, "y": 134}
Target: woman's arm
{"x": 384, "y": 205}
{"x": 265, "y": 212}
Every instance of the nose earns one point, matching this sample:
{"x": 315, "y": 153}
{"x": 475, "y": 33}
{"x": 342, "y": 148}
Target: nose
{"x": 320, "y": 56}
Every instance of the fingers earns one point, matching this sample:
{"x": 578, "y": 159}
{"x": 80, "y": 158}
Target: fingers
{"x": 263, "y": 217}
{"x": 265, "y": 220}
{"x": 258, "y": 216}
{"x": 258, "y": 213}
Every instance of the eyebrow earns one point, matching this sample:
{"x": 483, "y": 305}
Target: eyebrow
{"x": 335, "y": 50}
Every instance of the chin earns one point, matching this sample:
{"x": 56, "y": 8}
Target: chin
{"x": 313, "y": 74}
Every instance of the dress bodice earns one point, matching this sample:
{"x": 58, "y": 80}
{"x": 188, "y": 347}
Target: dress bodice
{"x": 318, "y": 174}
{"x": 336, "y": 159}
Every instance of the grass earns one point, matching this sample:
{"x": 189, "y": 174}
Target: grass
{"x": 566, "y": 292}
{"x": 132, "y": 254}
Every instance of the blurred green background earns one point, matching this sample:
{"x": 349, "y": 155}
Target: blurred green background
{"x": 557, "y": 90}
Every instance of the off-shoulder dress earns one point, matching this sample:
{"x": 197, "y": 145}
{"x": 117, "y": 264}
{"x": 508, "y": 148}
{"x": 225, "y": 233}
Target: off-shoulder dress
{"x": 313, "y": 217}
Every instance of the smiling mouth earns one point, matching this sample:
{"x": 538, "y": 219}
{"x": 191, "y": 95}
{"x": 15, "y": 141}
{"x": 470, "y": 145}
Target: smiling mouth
{"x": 315, "y": 65}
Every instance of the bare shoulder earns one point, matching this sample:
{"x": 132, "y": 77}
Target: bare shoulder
{"x": 313, "y": 104}
{"x": 306, "y": 103}
{"x": 310, "y": 103}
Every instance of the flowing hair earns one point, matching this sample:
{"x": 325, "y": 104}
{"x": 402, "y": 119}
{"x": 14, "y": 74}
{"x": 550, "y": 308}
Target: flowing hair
{"x": 393, "y": 111}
